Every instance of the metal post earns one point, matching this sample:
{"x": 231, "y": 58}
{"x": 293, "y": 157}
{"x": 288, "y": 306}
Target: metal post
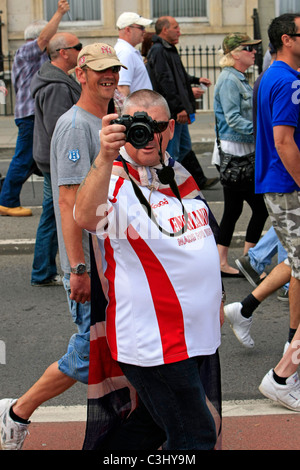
{"x": 1, "y": 52}
{"x": 257, "y": 35}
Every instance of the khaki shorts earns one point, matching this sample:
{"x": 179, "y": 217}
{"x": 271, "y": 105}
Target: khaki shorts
{"x": 284, "y": 212}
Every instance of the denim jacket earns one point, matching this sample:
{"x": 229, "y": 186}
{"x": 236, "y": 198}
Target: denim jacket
{"x": 233, "y": 103}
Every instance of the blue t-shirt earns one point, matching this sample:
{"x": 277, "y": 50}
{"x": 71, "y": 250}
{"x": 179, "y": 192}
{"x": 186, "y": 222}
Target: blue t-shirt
{"x": 278, "y": 104}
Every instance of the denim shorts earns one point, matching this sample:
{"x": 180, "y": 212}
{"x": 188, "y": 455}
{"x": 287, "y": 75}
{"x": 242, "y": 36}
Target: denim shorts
{"x": 75, "y": 363}
{"x": 284, "y": 211}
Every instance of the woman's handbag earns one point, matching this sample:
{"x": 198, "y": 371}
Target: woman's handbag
{"x": 236, "y": 172}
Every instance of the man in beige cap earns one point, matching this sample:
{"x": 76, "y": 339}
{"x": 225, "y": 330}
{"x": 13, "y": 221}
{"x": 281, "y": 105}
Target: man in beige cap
{"x": 75, "y": 144}
{"x": 131, "y": 28}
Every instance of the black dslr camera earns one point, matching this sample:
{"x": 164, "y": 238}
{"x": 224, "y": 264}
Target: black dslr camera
{"x": 140, "y": 128}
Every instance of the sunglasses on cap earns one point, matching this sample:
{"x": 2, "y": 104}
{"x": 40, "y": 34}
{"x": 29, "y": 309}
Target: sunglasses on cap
{"x": 249, "y": 48}
{"x": 78, "y": 47}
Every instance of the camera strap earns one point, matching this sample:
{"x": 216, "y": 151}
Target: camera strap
{"x": 145, "y": 204}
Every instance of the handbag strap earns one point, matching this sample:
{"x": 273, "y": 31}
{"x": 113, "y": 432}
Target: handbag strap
{"x": 217, "y": 133}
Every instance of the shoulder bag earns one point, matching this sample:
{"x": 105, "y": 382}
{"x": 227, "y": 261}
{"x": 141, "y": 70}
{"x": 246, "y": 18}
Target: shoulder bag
{"x": 236, "y": 172}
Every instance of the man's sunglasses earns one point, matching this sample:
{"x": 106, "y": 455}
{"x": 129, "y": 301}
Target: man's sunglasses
{"x": 78, "y": 47}
{"x": 295, "y": 35}
{"x": 142, "y": 28}
{"x": 114, "y": 68}
{"x": 249, "y": 48}
{"x": 160, "y": 126}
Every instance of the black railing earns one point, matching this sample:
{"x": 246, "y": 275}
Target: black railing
{"x": 204, "y": 62}
{"x": 199, "y": 61}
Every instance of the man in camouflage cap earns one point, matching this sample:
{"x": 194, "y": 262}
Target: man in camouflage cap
{"x": 234, "y": 40}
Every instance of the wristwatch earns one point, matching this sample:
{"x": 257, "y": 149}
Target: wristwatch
{"x": 223, "y": 296}
{"x": 79, "y": 269}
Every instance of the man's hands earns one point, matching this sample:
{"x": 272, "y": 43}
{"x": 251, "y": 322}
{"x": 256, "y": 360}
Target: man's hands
{"x": 112, "y": 138}
{"x": 205, "y": 81}
{"x": 63, "y": 7}
{"x": 182, "y": 117}
{"x": 80, "y": 285}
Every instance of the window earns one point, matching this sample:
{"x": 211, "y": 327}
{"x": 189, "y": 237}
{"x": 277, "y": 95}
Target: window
{"x": 180, "y": 8}
{"x": 87, "y": 10}
{"x": 287, "y": 6}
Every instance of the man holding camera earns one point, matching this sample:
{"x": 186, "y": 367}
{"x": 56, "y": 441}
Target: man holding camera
{"x": 163, "y": 315}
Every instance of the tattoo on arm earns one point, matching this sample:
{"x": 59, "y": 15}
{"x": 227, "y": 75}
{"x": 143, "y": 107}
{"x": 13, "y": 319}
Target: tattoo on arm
{"x": 93, "y": 167}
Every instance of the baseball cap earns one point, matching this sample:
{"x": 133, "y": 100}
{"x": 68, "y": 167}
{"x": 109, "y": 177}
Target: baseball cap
{"x": 234, "y": 40}
{"x": 98, "y": 56}
{"x": 128, "y": 18}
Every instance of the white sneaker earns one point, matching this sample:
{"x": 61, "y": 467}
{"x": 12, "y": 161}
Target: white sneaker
{"x": 240, "y": 325}
{"x": 54, "y": 281}
{"x": 12, "y": 434}
{"x": 288, "y": 395}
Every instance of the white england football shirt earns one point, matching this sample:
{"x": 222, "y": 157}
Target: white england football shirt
{"x": 164, "y": 293}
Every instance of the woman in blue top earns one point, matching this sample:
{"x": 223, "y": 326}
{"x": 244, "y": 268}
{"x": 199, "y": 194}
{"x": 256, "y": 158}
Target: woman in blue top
{"x": 233, "y": 106}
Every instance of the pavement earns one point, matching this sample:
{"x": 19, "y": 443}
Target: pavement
{"x": 247, "y": 425}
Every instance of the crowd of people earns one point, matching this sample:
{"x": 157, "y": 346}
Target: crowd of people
{"x": 120, "y": 204}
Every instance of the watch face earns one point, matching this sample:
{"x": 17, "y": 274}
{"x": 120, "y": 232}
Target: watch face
{"x": 79, "y": 269}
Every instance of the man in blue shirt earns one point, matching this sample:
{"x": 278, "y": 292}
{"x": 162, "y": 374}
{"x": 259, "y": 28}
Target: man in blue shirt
{"x": 278, "y": 178}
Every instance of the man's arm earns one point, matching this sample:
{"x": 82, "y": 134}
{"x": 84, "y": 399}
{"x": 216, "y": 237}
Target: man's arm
{"x": 72, "y": 234}
{"x": 51, "y": 27}
{"x": 91, "y": 198}
{"x": 288, "y": 150}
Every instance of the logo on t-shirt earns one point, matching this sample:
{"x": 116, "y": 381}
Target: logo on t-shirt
{"x": 74, "y": 155}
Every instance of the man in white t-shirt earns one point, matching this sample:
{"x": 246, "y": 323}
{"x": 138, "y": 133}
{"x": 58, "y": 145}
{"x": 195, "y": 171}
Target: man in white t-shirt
{"x": 162, "y": 278}
{"x": 131, "y": 28}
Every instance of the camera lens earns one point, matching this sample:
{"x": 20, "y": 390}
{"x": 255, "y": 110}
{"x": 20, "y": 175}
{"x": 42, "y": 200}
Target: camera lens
{"x": 139, "y": 135}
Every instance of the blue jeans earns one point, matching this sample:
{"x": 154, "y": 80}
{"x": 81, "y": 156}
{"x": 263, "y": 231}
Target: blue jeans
{"x": 262, "y": 253}
{"x": 173, "y": 408}
{"x": 75, "y": 363}
{"x": 46, "y": 244}
{"x": 181, "y": 143}
{"x": 21, "y": 164}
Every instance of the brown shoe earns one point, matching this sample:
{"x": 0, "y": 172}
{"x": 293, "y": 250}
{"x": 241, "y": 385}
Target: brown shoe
{"x": 15, "y": 211}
